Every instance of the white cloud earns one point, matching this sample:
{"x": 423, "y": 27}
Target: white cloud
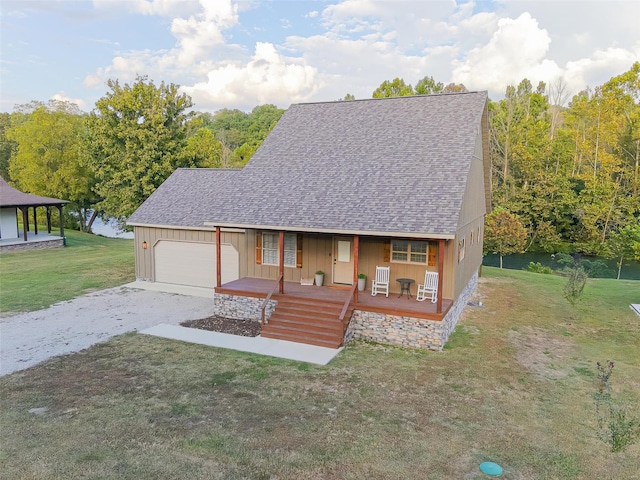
{"x": 63, "y": 97}
{"x": 597, "y": 69}
{"x": 515, "y": 51}
{"x": 268, "y": 77}
{"x": 164, "y": 8}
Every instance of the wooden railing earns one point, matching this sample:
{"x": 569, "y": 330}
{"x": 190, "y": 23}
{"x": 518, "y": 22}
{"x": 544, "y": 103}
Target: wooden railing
{"x": 266, "y": 300}
{"x": 345, "y": 307}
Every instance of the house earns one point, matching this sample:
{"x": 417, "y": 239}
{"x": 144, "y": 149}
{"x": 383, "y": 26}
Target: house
{"x": 11, "y": 238}
{"x": 340, "y": 187}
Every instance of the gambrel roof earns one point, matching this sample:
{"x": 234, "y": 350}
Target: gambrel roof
{"x": 393, "y": 166}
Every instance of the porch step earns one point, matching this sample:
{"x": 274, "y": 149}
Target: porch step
{"x": 304, "y": 320}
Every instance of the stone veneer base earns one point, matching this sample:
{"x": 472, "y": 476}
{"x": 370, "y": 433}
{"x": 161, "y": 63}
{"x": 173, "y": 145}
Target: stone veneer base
{"x": 15, "y": 247}
{"x": 409, "y": 331}
{"x": 237, "y": 306}
{"x": 372, "y": 326}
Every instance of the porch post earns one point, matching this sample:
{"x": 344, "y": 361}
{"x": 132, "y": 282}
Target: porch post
{"x": 25, "y": 221}
{"x": 35, "y": 221}
{"x": 281, "y": 262}
{"x": 356, "y": 242}
{"x": 48, "y": 219}
{"x": 64, "y": 241}
{"x": 218, "y": 263}
{"x": 440, "y": 272}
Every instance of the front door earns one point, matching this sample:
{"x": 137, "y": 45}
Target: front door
{"x": 343, "y": 260}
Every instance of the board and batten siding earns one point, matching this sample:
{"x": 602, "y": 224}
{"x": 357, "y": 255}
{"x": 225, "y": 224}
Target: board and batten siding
{"x": 317, "y": 254}
{"x": 145, "y": 268}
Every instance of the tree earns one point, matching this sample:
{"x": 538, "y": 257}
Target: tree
{"x": 7, "y": 147}
{"x": 51, "y": 157}
{"x": 624, "y": 244}
{"x": 202, "y": 150}
{"x": 574, "y": 287}
{"x": 428, "y": 86}
{"x": 347, "y": 97}
{"x": 503, "y": 233}
{"x": 396, "y": 88}
{"x": 137, "y": 137}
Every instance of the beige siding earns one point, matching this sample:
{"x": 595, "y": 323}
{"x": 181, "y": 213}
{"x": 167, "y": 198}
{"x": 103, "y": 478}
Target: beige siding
{"x": 473, "y": 234}
{"x": 473, "y": 205}
{"x": 145, "y": 268}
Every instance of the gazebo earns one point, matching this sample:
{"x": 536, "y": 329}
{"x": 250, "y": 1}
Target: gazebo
{"x": 12, "y": 200}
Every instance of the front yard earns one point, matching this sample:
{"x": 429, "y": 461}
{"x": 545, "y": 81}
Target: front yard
{"x": 514, "y": 386}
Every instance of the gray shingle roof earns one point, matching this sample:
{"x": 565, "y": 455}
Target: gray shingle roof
{"x": 396, "y": 165}
{"x": 10, "y": 197}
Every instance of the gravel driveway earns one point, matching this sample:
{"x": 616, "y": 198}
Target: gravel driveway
{"x": 30, "y": 338}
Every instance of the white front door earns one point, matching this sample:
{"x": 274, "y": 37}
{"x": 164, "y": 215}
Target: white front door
{"x": 343, "y": 260}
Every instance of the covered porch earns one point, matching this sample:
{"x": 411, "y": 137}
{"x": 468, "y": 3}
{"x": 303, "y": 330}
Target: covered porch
{"x": 391, "y": 305}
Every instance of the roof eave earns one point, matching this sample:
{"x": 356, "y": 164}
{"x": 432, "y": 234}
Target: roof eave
{"x": 332, "y": 231}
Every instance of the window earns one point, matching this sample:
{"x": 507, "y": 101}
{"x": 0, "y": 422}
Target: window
{"x": 405, "y": 251}
{"x": 270, "y": 249}
{"x": 461, "y": 249}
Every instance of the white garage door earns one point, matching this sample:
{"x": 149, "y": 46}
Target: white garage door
{"x": 194, "y": 264}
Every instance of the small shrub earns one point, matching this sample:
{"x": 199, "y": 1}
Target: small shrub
{"x": 537, "y": 267}
{"x": 575, "y": 285}
{"x": 615, "y": 427}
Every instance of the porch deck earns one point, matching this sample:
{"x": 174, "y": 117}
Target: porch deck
{"x": 392, "y": 305}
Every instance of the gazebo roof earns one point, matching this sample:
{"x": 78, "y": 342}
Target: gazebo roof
{"x": 10, "y": 197}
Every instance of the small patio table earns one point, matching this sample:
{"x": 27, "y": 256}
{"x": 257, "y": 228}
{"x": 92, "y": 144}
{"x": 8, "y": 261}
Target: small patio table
{"x": 405, "y": 286}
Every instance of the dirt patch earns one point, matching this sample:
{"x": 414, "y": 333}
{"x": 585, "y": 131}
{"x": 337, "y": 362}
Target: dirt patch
{"x": 232, "y": 326}
{"x": 541, "y": 352}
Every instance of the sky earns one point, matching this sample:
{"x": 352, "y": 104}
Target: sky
{"x": 240, "y": 54}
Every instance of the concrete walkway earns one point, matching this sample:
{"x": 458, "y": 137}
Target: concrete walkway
{"x": 262, "y": 346}
{"x": 29, "y": 338}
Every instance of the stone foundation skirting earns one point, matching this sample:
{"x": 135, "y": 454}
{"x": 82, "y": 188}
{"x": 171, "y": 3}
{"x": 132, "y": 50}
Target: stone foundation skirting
{"x": 237, "y": 306}
{"x": 372, "y": 326}
{"x": 409, "y": 331}
{"x": 15, "y": 247}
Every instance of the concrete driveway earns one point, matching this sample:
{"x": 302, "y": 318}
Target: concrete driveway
{"x": 30, "y": 338}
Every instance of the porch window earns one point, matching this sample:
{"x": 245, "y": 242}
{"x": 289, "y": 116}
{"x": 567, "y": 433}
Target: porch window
{"x": 270, "y": 249}
{"x": 405, "y": 251}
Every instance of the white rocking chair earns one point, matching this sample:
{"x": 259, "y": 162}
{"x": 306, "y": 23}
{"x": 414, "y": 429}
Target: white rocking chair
{"x": 428, "y": 289}
{"x": 381, "y": 283}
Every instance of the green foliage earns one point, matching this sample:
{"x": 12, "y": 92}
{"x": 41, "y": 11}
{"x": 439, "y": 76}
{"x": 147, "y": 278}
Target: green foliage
{"x": 395, "y": 88}
{"x": 574, "y": 287}
{"x": 51, "y": 159}
{"x": 7, "y": 146}
{"x": 504, "y": 233}
{"x": 428, "y": 86}
{"x": 137, "y": 137}
{"x": 615, "y": 426}
{"x": 537, "y": 267}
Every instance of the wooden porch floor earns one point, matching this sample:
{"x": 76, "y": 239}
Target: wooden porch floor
{"x": 392, "y": 305}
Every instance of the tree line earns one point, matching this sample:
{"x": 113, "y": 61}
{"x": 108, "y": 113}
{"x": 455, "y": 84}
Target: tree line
{"x": 108, "y": 161}
{"x": 566, "y": 172}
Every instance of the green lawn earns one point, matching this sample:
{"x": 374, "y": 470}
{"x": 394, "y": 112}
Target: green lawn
{"x": 515, "y": 385}
{"x": 34, "y": 279}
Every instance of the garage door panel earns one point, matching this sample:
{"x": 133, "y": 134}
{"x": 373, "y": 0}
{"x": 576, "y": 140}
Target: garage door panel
{"x": 193, "y": 263}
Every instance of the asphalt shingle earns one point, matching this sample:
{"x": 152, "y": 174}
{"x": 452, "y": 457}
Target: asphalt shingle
{"x": 394, "y": 165}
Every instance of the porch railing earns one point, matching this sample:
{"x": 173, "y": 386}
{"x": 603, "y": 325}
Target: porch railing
{"x": 266, "y": 300}
{"x": 345, "y": 307}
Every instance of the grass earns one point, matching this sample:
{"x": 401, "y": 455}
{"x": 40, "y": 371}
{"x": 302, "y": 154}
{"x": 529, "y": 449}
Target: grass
{"x": 514, "y": 386}
{"x": 35, "y": 279}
